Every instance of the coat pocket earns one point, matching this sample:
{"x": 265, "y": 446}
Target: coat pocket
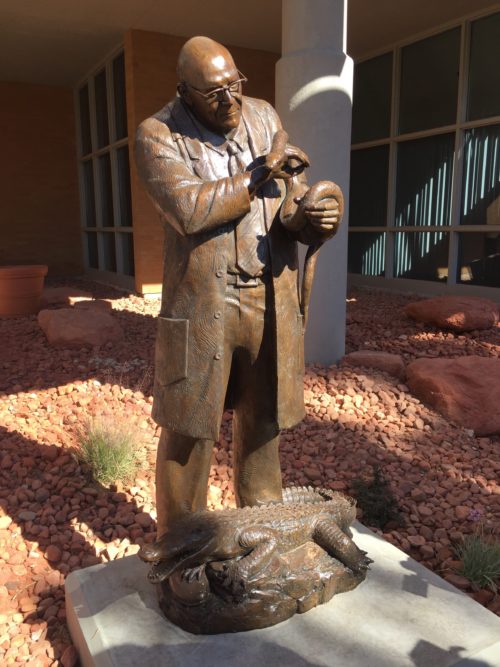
{"x": 171, "y": 351}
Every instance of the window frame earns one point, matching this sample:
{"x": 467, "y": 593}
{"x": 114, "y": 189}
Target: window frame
{"x": 459, "y": 128}
{"x": 119, "y": 278}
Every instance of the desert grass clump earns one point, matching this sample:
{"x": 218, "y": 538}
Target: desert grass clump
{"x": 109, "y": 447}
{"x": 480, "y": 556}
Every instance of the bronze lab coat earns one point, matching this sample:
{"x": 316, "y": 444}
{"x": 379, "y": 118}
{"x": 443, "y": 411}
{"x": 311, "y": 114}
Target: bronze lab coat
{"x": 199, "y": 213}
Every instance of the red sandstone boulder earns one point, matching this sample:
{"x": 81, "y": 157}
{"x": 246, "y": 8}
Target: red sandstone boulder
{"x": 103, "y": 304}
{"x": 458, "y": 313}
{"x": 382, "y": 361}
{"x": 64, "y": 296}
{"x": 71, "y": 327}
{"x": 465, "y": 390}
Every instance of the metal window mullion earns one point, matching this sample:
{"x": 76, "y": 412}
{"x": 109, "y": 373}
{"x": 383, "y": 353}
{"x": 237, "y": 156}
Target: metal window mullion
{"x": 423, "y": 134}
{"x": 82, "y": 194}
{"x": 367, "y": 228}
{"x": 78, "y": 117}
{"x": 479, "y": 228}
{"x": 480, "y": 122}
{"x": 95, "y": 172}
{"x": 111, "y": 229}
{"x": 391, "y": 180}
{"x": 419, "y": 228}
{"x": 115, "y": 195}
{"x": 458, "y": 156}
{"x": 374, "y": 143}
{"x": 106, "y": 149}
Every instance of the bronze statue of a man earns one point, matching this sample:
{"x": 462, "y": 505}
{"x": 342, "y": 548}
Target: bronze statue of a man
{"x": 234, "y": 204}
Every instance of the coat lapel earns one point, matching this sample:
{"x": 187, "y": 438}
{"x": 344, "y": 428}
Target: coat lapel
{"x": 188, "y": 135}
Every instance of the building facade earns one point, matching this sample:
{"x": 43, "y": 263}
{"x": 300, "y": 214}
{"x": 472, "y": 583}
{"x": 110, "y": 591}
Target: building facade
{"x": 422, "y": 95}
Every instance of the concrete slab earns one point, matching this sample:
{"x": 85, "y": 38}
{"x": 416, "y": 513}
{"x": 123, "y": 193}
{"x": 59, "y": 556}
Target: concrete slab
{"x": 403, "y": 615}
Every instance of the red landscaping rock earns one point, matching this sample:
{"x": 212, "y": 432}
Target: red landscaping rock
{"x": 64, "y": 296}
{"x": 443, "y": 477}
{"x": 458, "y": 313}
{"x": 53, "y": 553}
{"x": 87, "y": 304}
{"x": 68, "y": 327}
{"x": 382, "y": 361}
{"x": 465, "y": 390}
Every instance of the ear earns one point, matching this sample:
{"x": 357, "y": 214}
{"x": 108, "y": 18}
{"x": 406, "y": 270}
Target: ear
{"x": 184, "y": 93}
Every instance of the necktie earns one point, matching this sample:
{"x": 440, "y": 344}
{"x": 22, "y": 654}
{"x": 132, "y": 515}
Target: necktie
{"x": 250, "y": 236}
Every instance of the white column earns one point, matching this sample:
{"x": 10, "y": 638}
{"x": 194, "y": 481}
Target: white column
{"x": 314, "y": 101}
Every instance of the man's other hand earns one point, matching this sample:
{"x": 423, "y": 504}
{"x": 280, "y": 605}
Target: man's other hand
{"x": 322, "y": 206}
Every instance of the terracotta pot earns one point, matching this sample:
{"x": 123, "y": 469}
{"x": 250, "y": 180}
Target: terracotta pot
{"x": 20, "y": 289}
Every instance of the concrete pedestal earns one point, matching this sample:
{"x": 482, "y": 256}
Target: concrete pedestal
{"x": 403, "y": 615}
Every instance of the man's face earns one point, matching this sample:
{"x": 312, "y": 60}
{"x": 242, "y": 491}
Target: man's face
{"x": 219, "y": 112}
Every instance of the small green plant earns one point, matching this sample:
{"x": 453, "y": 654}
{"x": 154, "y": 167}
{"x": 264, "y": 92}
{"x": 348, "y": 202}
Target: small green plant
{"x": 109, "y": 448}
{"x": 376, "y": 500}
{"x": 480, "y": 556}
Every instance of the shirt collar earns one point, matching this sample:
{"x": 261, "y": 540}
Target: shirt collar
{"x": 217, "y": 142}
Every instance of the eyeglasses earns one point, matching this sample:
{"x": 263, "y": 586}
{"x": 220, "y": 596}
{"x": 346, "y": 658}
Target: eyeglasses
{"x": 217, "y": 94}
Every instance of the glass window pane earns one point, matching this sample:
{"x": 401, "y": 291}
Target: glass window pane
{"x": 109, "y": 251}
{"x": 127, "y": 247}
{"x": 481, "y": 177}
{"x": 101, "y": 109}
{"x": 366, "y": 253}
{"x": 125, "y": 219}
{"x": 484, "y": 68}
{"x": 92, "y": 254}
{"x": 421, "y": 255}
{"x": 88, "y": 194}
{"x": 371, "y": 110}
{"x": 423, "y": 181}
{"x": 119, "y": 96}
{"x": 85, "y": 137}
{"x": 368, "y": 190}
{"x": 105, "y": 190}
{"x": 429, "y": 82}
{"x": 479, "y": 259}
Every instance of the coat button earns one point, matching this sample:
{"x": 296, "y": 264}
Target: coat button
{"x": 217, "y": 356}
{"x": 219, "y": 273}
{"x": 217, "y": 314}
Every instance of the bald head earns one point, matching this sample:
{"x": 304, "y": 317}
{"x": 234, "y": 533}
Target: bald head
{"x": 210, "y": 84}
{"x": 203, "y": 61}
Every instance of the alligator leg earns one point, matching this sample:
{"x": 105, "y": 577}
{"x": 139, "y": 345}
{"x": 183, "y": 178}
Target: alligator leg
{"x": 336, "y": 543}
{"x": 261, "y": 545}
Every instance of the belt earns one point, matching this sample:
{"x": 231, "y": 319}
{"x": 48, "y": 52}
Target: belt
{"x": 240, "y": 280}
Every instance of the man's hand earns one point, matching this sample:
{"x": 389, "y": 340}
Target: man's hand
{"x": 282, "y": 161}
{"x": 285, "y": 160}
{"x": 322, "y": 207}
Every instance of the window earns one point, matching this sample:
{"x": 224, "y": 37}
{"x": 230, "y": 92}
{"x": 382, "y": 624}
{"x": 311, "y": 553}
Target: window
{"x": 105, "y": 171}
{"x": 423, "y": 182}
{"x": 425, "y": 187}
{"x": 368, "y": 192}
{"x": 371, "y": 107}
{"x": 484, "y": 71}
{"x": 429, "y": 82}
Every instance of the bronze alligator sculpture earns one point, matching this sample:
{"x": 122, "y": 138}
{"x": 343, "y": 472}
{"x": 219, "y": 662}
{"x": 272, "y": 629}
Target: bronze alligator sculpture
{"x": 244, "y": 541}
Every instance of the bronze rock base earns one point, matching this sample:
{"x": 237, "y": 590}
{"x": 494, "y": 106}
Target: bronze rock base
{"x": 291, "y": 584}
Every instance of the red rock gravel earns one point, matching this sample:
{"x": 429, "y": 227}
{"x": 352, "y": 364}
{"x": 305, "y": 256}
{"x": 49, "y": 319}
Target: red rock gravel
{"x": 54, "y": 519}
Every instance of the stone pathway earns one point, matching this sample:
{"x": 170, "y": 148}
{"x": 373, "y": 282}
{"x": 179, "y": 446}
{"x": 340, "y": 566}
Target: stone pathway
{"x": 54, "y": 519}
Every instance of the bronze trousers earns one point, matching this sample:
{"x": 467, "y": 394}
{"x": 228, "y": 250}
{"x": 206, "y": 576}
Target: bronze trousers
{"x": 249, "y": 358}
